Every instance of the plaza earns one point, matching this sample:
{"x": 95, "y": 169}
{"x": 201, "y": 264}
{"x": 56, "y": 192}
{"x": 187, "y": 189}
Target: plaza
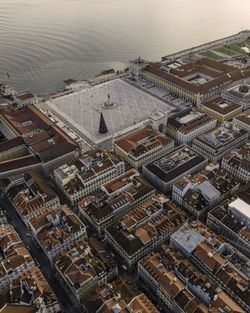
{"x": 124, "y": 108}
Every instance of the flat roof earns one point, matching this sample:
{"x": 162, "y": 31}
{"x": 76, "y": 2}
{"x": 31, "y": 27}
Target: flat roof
{"x": 174, "y": 164}
{"x": 188, "y": 239}
{"x": 241, "y": 206}
{"x": 124, "y": 108}
{"x": 189, "y": 117}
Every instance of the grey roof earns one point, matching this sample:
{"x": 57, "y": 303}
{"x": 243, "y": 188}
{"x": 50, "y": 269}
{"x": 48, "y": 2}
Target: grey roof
{"x": 208, "y": 190}
{"x": 188, "y": 239}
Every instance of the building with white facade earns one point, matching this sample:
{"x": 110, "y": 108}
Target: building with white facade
{"x": 184, "y": 126}
{"x": 196, "y": 81}
{"x": 243, "y": 121}
{"x": 144, "y": 228}
{"x": 237, "y": 163}
{"x": 87, "y": 174}
{"x": 15, "y": 259}
{"x": 215, "y": 258}
{"x": 179, "y": 285}
{"x": 231, "y": 219}
{"x": 164, "y": 172}
{"x": 114, "y": 199}
{"x": 239, "y": 94}
{"x": 30, "y": 195}
{"x": 201, "y": 192}
{"x": 143, "y": 146}
{"x": 221, "y": 109}
{"x": 85, "y": 265}
{"x": 31, "y": 289}
{"x": 56, "y": 229}
{"x": 216, "y": 143}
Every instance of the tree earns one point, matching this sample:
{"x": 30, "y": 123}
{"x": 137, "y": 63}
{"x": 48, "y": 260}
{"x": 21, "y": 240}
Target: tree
{"x": 102, "y": 126}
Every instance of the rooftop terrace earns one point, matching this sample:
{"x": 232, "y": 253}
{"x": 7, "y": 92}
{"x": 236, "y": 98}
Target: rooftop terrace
{"x": 175, "y": 163}
{"x": 221, "y": 136}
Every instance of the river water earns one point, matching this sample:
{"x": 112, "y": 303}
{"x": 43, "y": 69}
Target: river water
{"x": 43, "y": 42}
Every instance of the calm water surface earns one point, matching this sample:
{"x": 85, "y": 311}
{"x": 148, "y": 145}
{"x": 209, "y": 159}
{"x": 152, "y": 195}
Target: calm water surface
{"x": 43, "y": 42}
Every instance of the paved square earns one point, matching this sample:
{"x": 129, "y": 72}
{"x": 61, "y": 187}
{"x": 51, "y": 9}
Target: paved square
{"x": 122, "y": 105}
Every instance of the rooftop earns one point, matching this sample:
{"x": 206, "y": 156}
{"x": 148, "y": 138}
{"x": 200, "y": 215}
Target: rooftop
{"x": 221, "y": 136}
{"x": 28, "y": 193}
{"x": 244, "y": 193}
{"x": 142, "y": 141}
{"x": 210, "y": 251}
{"x": 85, "y": 168}
{"x": 200, "y": 76}
{"x": 83, "y": 260}
{"x": 31, "y": 286}
{"x": 18, "y": 308}
{"x": 54, "y": 226}
{"x": 242, "y": 207}
{"x": 121, "y": 295}
{"x": 220, "y": 267}
{"x": 11, "y": 144}
{"x": 171, "y": 271}
{"x": 39, "y": 133}
{"x": 175, "y": 163}
{"x": 190, "y": 236}
{"x": 221, "y": 106}
{"x": 21, "y": 162}
{"x": 125, "y": 180}
{"x": 206, "y": 187}
{"x": 124, "y": 190}
{"x": 13, "y": 253}
{"x": 241, "y": 92}
{"x": 24, "y": 96}
{"x": 223, "y": 214}
{"x": 188, "y": 120}
{"x": 244, "y": 117}
{"x": 239, "y": 157}
{"x": 132, "y": 234}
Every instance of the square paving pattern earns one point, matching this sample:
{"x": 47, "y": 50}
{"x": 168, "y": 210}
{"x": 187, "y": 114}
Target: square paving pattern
{"x": 122, "y": 105}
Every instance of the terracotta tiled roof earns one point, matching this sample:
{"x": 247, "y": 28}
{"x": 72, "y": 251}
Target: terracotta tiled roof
{"x": 220, "y": 73}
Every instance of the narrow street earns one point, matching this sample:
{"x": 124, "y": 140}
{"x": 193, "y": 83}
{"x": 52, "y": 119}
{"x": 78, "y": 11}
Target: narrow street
{"x": 49, "y": 272}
